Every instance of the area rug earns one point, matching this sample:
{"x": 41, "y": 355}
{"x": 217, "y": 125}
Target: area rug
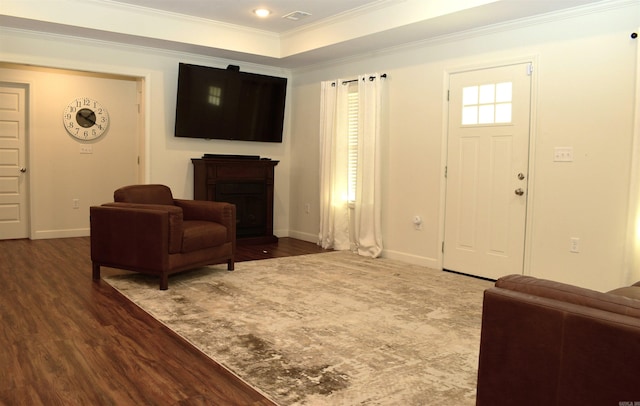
{"x": 328, "y": 329}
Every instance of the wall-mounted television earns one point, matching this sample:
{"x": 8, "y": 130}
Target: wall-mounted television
{"x": 227, "y": 104}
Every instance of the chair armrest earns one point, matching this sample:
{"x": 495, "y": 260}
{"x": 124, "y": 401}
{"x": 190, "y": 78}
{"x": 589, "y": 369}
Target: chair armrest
{"x": 219, "y": 212}
{"x": 132, "y": 238}
{"x": 174, "y": 220}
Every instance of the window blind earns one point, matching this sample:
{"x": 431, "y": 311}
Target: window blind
{"x": 353, "y": 107}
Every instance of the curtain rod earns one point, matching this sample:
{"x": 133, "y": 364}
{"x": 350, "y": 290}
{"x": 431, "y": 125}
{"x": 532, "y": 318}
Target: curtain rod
{"x": 344, "y": 82}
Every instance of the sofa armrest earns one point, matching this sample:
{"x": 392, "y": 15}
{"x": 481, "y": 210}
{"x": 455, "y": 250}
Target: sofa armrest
{"x": 536, "y": 350}
{"x": 615, "y": 303}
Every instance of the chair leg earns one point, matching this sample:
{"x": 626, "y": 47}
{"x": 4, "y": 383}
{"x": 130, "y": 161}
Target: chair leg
{"x": 96, "y": 272}
{"x": 230, "y": 265}
{"x": 164, "y": 281}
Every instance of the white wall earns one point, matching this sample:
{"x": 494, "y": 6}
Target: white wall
{"x": 167, "y": 159}
{"x": 583, "y": 97}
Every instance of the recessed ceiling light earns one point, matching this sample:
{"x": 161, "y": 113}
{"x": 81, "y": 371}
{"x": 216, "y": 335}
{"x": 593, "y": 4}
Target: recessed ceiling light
{"x": 262, "y": 12}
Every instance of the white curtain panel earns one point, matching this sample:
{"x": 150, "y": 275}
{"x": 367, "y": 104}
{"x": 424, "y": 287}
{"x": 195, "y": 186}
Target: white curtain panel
{"x": 334, "y": 202}
{"x": 336, "y": 216}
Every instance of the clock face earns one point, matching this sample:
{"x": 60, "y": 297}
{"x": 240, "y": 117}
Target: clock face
{"x": 85, "y": 118}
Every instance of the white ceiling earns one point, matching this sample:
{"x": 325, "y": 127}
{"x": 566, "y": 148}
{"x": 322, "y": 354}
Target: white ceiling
{"x": 240, "y": 12}
{"x": 228, "y": 29}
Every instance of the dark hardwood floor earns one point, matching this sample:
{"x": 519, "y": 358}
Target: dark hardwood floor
{"x": 67, "y": 340}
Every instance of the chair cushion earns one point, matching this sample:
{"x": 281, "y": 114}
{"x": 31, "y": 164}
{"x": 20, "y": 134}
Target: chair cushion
{"x": 144, "y": 194}
{"x": 202, "y": 234}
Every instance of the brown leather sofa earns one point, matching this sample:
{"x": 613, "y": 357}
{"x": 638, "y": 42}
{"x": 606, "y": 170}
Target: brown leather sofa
{"x": 549, "y": 343}
{"x": 146, "y": 230}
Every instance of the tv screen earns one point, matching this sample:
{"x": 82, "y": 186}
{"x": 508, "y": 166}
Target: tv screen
{"x": 227, "y": 104}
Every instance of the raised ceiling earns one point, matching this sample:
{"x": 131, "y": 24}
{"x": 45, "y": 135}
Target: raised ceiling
{"x": 228, "y": 29}
{"x": 240, "y": 12}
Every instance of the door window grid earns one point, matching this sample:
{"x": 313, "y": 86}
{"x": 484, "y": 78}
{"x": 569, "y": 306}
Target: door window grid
{"x": 487, "y": 104}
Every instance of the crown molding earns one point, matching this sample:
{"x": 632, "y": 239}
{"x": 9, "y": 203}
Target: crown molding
{"x": 554, "y": 16}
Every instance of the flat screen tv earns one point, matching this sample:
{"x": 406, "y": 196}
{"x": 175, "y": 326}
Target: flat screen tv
{"x": 227, "y": 104}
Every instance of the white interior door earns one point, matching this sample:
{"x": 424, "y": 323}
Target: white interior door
{"x": 13, "y": 166}
{"x": 487, "y": 162}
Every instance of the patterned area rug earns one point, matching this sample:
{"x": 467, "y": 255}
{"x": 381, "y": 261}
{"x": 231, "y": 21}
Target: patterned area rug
{"x": 328, "y": 329}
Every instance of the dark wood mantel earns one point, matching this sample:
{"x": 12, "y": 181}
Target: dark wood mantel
{"x": 247, "y": 183}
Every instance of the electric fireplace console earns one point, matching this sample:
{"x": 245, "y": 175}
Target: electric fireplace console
{"x": 247, "y": 183}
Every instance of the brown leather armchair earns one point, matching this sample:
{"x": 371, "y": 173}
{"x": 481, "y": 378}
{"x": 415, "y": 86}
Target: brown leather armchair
{"x": 146, "y": 230}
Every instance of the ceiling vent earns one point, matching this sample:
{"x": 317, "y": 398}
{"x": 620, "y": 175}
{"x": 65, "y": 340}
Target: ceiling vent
{"x": 296, "y": 15}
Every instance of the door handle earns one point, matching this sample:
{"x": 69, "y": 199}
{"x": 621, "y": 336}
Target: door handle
{"x": 23, "y": 170}
{"x": 521, "y": 176}
{"x": 519, "y": 191}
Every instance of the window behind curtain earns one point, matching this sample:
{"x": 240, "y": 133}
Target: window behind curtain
{"x": 353, "y": 113}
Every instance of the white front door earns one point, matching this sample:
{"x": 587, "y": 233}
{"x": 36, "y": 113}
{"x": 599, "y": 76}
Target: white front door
{"x": 487, "y": 170}
{"x": 13, "y": 166}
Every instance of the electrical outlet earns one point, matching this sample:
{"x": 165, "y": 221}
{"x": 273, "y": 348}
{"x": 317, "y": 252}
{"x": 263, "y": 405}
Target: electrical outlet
{"x": 86, "y": 149}
{"x": 574, "y": 244}
{"x": 563, "y": 154}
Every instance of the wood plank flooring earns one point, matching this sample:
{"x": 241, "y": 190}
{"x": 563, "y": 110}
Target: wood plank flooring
{"x": 67, "y": 340}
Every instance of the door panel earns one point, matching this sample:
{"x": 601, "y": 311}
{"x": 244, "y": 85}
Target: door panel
{"x": 487, "y": 150}
{"x": 13, "y": 166}
{"x": 467, "y": 190}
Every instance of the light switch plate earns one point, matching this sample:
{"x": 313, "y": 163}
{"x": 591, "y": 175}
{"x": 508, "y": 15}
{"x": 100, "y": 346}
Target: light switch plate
{"x": 563, "y": 154}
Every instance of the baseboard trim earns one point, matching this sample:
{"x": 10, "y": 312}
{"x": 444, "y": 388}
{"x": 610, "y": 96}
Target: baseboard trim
{"x": 303, "y": 236}
{"x": 47, "y": 234}
{"x": 432, "y": 263}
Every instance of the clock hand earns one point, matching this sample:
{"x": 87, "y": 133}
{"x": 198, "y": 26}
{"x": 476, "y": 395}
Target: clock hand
{"x": 87, "y": 116}
{"x": 90, "y": 117}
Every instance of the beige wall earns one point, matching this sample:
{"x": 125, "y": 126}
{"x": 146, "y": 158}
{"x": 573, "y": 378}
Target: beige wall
{"x": 584, "y": 81}
{"x": 58, "y": 173}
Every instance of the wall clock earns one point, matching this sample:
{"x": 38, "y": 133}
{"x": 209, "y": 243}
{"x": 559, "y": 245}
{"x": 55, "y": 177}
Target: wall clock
{"x": 85, "y": 118}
